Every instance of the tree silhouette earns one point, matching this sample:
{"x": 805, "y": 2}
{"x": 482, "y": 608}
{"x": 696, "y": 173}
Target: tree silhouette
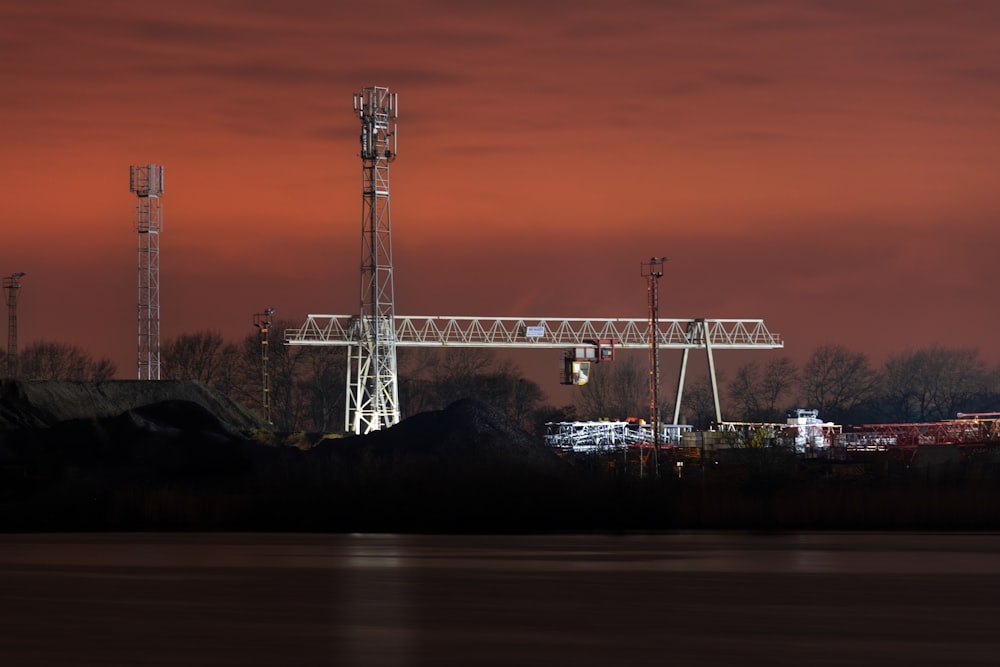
{"x": 617, "y": 390}
{"x": 935, "y": 383}
{"x": 433, "y": 379}
{"x": 761, "y": 396}
{"x": 836, "y": 381}
{"x": 47, "y": 360}
{"x": 698, "y": 404}
{"x": 203, "y": 356}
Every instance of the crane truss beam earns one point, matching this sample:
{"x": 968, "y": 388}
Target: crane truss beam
{"x": 516, "y": 332}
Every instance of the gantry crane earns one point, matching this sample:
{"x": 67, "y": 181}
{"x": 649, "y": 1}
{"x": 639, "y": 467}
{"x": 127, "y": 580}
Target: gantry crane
{"x": 373, "y": 335}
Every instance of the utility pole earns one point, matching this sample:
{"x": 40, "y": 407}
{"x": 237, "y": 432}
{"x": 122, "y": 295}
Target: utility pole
{"x": 12, "y": 284}
{"x": 263, "y": 322}
{"x": 146, "y": 182}
{"x": 653, "y": 271}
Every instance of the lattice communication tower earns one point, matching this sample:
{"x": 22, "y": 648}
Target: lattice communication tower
{"x": 12, "y": 284}
{"x": 653, "y": 271}
{"x": 147, "y": 183}
{"x": 373, "y": 401}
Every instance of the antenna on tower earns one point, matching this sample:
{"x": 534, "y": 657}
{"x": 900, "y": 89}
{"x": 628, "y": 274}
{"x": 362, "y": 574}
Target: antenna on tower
{"x": 373, "y": 401}
{"x": 653, "y": 271}
{"x": 147, "y": 183}
{"x": 12, "y": 284}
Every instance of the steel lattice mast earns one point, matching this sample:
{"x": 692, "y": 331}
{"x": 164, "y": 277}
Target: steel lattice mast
{"x": 12, "y": 284}
{"x": 263, "y": 323}
{"x": 147, "y": 183}
{"x": 372, "y": 336}
{"x": 653, "y": 271}
{"x": 373, "y": 394}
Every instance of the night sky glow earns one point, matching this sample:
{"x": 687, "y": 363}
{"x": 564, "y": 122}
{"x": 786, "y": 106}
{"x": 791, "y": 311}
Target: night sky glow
{"x": 829, "y": 167}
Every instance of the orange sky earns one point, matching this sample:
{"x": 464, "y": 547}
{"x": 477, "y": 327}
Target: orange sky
{"x": 829, "y": 167}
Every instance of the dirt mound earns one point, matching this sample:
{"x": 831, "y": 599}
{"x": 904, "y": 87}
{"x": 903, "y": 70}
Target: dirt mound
{"x": 176, "y": 464}
{"x": 466, "y": 438}
{"x": 45, "y": 403}
{"x": 466, "y": 468}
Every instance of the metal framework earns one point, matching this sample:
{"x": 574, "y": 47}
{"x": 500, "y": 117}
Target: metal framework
{"x": 263, "y": 323}
{"x": 803, "y": 431}
{"x": 550, "y": 332}
{"x": 373, "y": 392}
{"x": 599, "y": 436}
{"x": 701, "y": 334}
{"x": 653, "y": 271}
{"x": 970, "y": 429}
{"x": 373, "y": 335}
{"x": 12, "y": 284}
{"x": 146, "y": 182}
{"x": 555, "y": 332}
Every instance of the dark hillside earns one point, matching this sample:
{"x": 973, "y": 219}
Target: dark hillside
{"x": 149, "y": 456}
{"x": 467, "y": 437}
{"x": 175, "y": 456}
{"x": 43, "y": 403}
{"x": 468, "y": 467}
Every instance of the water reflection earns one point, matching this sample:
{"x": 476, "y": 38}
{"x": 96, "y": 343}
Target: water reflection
{"x": 705, "y": 598}
{"x": 375, "y": 608}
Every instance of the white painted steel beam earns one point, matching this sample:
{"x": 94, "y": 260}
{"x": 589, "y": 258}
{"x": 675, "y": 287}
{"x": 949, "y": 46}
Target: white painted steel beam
{"x": 547, "y": 332}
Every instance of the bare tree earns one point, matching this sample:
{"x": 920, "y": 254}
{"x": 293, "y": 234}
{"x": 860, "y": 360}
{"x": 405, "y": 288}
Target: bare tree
{"x": 507, "y": 389}
{"x": 323, "y": 384}
{"x": 419, "y": 370}
{"x": 46, "y": 360}
{"x": 906, "y": 391}
{"x": 305, "y": 384}
{"x": 203, "y": 356}
{"x": 935, "y": 383}
{"x": 698, "y": 405}
{"x": 779, "y": 381}
{"x": 436, "y": 378}
{"x": 964, "y": 381}
{"x": 835, "y": 381}
{"x": 246, "y": 386}
{"x": 762, "y": 396}
{"x": 458, "y": 371}
{"x": 616, "y": 390}
{"x": 549, "y": 413}
{"x": 745, "y": 390}
{"x": 288, "y": 365}
{"x": 103, "y": 369}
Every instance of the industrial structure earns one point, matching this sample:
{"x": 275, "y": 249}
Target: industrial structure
{"x": 581, "y": 334}
{"x": 977, "y": 428}
{"x": 802, "y": 432}
{"x": 373, "y": 394}
{"x": 12, "y": 284}
{"x": 653, "y": 271}
{"x": 372, "y": 335}
{"x": 146, "y": 182}
{"x": 263, "y": 323}
{"x": 594, "y": 437}
{"x": 867, "y": 450}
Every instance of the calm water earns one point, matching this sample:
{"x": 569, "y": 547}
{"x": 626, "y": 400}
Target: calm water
{"x": 685, "y": 599}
